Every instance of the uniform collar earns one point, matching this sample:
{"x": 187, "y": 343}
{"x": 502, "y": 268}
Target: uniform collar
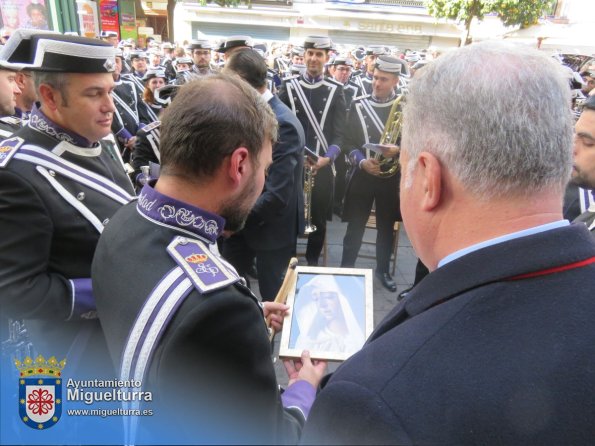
{"x": 383, "y": 101}
{"x": 312, "y": 80}
{"x": 40, "y": 122}
{"x": 168, "y": 211}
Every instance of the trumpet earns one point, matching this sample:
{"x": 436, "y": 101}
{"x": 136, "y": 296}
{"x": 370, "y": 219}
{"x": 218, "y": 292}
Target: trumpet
{"x": 308, "y": 187}
{"x": 392, "y": 131}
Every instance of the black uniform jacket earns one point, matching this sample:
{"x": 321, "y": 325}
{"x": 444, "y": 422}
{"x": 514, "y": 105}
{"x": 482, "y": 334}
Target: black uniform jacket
{"x": 126, "y": 117}
{"x": 211, "y": 372}
{"x": 146, "y": 147}
{"x": 327, "y": 103}
{"x": 9, "y": 125}
{"x": 278, "y": 214}
{"x": 495, "y": 347}
{"x": 366, "y": 122}
{"x": 47, "y": 245}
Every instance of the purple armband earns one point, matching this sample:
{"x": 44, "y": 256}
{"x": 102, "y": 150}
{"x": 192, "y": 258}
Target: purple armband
{"x": 83, "y": 302}
{"x": 300, "y": 395}
{"x": 333, "y": 152}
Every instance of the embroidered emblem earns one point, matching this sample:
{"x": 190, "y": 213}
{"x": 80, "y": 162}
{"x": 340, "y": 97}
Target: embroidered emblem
{"x": 196, "y": 258}
{"x": 8, "y": 148}
{"x": 185, "y": 217}
{"x": 203, "y": 268}
{"x": 42, "y": 125}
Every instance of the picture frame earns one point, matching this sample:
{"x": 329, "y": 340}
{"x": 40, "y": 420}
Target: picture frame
{"x": 331, "y": 313}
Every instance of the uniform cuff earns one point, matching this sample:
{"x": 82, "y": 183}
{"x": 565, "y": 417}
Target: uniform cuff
{"x": 83, "y": 302}
{"x": 356, "y": 157}
{"x": 333, "y": 152}
{"x": 124, "y": 134}
{"x": 300, "y": 395}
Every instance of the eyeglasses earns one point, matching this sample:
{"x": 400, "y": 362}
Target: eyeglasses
{"x": 343, "y": 69}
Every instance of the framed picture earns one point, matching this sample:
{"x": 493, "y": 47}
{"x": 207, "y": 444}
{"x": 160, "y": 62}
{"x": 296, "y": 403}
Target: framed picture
{"x": 331, "y": 313}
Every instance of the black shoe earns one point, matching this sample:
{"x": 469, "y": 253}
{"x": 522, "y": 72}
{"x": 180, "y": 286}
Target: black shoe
{"x": 387, "y": 281}
{"x": 403, "y": 294}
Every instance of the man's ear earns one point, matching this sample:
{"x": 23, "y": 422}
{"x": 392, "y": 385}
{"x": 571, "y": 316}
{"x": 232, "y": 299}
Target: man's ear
{"x": 238, "y": 164}
{"x": 49, "y": 97}
{"x": 20, "y": 81}
{"x": 431, "y": 174}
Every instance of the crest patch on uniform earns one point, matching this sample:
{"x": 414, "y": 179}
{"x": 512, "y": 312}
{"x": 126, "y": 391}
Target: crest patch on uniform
{"x": 202, "y": 267}
{"x": 8, "y": 148}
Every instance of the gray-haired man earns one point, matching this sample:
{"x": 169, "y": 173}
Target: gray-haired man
{"x": 494, "y": 346}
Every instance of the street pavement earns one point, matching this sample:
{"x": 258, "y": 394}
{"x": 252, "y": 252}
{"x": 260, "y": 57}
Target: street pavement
{"x": 384, "y": 300}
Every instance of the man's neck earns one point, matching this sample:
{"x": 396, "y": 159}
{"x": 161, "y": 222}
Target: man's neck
{"x": 490, "y": 219}
{"x": 202, "y": 196}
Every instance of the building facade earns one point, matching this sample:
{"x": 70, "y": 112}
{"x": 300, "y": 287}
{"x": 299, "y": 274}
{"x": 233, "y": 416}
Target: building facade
{"x": 400, "y": 23}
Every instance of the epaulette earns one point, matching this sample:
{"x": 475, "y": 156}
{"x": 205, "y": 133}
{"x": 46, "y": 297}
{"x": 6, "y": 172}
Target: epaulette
{"x": 153, "y": 125}
{"x": 12, "y": 120}
{"x": 200, "y": 265}
{"x": 8, "y": 148}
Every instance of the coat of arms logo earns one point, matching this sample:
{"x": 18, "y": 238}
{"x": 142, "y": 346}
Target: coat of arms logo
{"x": 40, "y": 391}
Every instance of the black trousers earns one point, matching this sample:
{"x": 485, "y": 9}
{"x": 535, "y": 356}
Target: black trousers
{"x": 271, "y": 264}
{"x": 322, "y": 197}
{"x": 365, "y": 189}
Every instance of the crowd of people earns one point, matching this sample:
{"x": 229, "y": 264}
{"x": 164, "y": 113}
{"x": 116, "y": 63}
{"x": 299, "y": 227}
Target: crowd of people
{"x": 138, "y": 192}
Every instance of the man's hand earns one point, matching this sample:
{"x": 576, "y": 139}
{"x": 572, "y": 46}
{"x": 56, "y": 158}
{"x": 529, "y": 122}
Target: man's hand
{"x": 130, "y": 143}
{"x": 305, "y": 369}
{"x": 390, "y": 150}
{"x": 322, "y": 161}
{"x": 275, "y": 312}
{"x": 371, "y": 166}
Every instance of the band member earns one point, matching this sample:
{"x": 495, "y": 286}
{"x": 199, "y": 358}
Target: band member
{"x": 201, "y": 55}
{"x": 209, "y": 365}
{"x": 110, "y": 37}
{"x": 340, "y": 68}
{"x": 364, "y": 80}
{"x": 9, "y": 90}
{"x": 319, "y": 104}
{"x": 61, "y": 180}
{"x": 126, "y": 120}
{"x": 366, "y": 125}
{"x": 153, "y": 80}
{"x": 233, "y": 43}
